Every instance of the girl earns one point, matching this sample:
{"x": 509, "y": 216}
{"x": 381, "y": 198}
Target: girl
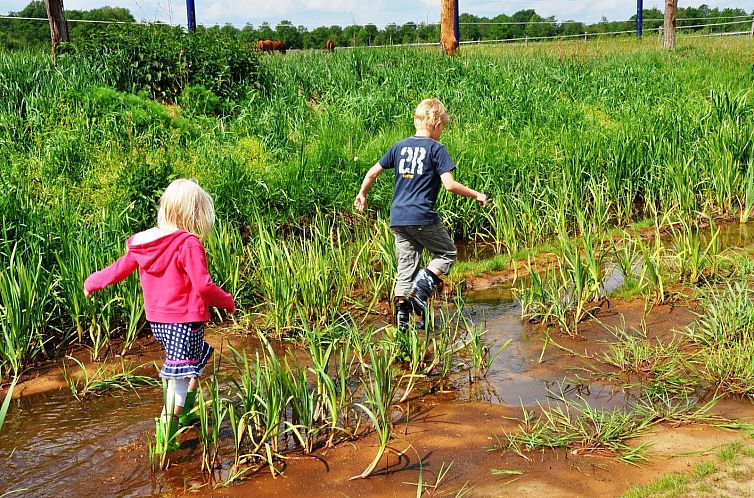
{"x": 177, "y": 291}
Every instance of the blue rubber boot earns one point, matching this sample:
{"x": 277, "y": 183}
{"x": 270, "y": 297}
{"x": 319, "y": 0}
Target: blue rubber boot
{"x": 422, "y": 288}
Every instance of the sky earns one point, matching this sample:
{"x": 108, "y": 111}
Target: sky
{"x": 313, "y": 13}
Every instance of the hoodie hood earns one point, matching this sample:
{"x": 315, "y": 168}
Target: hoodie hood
{"x": 155, "y": 256}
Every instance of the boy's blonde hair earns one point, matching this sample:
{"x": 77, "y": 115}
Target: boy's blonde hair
{"x": 186, "y": 206}
{"x": 429, "y": 113}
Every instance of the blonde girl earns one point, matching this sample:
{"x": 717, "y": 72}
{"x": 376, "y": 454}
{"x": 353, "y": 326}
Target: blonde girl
{"x": 177, "y": 291}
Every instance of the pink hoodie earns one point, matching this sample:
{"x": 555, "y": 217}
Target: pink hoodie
{"x": 173, "y": 272}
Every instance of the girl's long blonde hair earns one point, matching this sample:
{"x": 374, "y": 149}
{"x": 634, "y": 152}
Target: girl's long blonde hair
{"x": 186, "y": 206}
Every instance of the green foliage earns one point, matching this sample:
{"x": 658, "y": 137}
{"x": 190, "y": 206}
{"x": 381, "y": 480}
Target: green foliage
{"x": 143, "y": 185}
{"x": 535, "y": 130}
{"x": 163, "y": 60}
{"x": 196, "y": 99}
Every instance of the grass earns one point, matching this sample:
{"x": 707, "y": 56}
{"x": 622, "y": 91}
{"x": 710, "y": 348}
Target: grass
{"x": 279, "y": 171}
{"x": 707, "y": 478}
{"x": 580, "y": 428}
{"x": 668, "y": 486}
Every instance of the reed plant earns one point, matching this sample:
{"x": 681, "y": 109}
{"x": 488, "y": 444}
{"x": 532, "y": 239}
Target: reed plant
{"x": 582, "y": 276}
{"x": 104, "y": 379}
{"x": 626, "y": 257}
{"x": 379, "y": 390}
{"x": 481, "y": 355}
{"x": 652, "y": 279}
{"x": 212, "y": 414}
{"x": 6, "y": 401}
{"x": 26, "y": 302}
{"x": 580, "y": 428}
{"x": 726, "y": 316}
{"x": 304, "y": 423}
{"x": 695, "y": 258}
{"x": 746, "y": 203}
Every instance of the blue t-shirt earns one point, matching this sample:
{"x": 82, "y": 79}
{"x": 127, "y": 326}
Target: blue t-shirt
{"x": 418, "y": 164}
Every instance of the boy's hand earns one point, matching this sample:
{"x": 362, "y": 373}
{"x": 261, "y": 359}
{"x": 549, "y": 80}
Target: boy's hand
{"x": 87, "y": 294}
{"x": 482, "y": 200}
{"x": 360, "y": 202}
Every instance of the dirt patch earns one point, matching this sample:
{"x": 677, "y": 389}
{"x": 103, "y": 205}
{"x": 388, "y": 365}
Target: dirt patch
{"x": 458, "y": 434}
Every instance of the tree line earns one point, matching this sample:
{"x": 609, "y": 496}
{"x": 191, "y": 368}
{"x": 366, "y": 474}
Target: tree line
{"x": 24, "y": 34}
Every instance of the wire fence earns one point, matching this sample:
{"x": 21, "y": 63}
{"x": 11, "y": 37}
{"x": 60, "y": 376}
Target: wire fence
{"x": 521, "y": 39}
{"x": 743, "y": 19}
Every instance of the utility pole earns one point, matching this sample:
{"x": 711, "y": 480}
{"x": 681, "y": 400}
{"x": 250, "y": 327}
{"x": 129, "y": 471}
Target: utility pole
{"x": 639, "y": 16}
{"x": 669, "y": 25}
{"x": 191, "y": 13}
{"x": 58, "y": 27}
{"x": 449, "y": 26}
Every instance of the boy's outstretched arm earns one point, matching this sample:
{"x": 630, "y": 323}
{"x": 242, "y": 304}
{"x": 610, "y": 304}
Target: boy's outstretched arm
{"x": 361, "y": 199}
{"x": 451, "y": 185}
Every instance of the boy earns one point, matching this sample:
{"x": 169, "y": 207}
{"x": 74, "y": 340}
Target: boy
{"x": 421, "y": 163}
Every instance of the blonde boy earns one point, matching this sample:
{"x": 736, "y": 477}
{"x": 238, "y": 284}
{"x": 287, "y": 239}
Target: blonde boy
{"x": 421, "y": 164}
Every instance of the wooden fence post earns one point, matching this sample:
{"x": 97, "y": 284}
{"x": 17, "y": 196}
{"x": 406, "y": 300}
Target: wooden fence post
{"x": 671, "y": 6}
{"x": 447, "y": 27}
{"x": 58, "y": 27}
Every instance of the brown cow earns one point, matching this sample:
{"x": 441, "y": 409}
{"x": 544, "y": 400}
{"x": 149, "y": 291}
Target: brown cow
{"x": 330, "y": 44}
{"x": 280, "y": 45}
{"x": 270, "y": 45}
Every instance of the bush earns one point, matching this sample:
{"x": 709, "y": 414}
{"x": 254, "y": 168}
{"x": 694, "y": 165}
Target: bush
{"x": 164, "y": 60}
{"x": 197, "y": 100}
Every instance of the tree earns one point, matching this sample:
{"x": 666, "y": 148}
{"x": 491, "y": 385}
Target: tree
{"x": 572, "y": 28}
{"x": 470, "y": 27}
{"x": 288, "y": 33}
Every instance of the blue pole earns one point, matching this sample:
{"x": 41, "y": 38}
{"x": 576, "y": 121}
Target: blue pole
{"x": 456, "y": 26}
{"x": 191, "y": 15}
{"x": 639, "y": 12}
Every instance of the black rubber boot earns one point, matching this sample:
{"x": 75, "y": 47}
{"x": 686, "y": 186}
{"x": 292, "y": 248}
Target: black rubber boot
{"x": 403, "y": 310}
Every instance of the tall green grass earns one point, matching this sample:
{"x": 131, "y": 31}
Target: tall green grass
{"x": 567, "y": 139}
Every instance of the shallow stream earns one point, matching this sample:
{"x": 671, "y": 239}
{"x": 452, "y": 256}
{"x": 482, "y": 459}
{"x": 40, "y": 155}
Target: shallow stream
{"x": 54, "y": 445}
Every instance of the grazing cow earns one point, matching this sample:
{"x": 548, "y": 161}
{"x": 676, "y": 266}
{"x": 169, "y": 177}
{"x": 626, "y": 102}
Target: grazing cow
{"x": 270, "y": 45}
{"x": 330, "y": 44}
{"x": 280, "y": 45}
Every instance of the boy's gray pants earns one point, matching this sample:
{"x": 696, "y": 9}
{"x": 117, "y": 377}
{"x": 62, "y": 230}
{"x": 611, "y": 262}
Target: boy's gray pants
{"x": 409, "y": 242}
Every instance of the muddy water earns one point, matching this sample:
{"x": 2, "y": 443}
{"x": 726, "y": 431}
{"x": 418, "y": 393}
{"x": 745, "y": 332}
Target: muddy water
{"x": 53, "y": 445}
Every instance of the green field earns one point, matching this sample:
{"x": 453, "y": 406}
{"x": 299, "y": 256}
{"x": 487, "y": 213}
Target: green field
{"x": 567, "y": 137}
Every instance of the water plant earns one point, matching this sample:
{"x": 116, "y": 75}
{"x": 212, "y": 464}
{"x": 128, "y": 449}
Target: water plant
{"x": 379, "y": 391}
{"x": 104, "y": 379}
{"x": 26, "y": 297}
{"x": 481, "y": 355}
{"x": 583, "y": 429}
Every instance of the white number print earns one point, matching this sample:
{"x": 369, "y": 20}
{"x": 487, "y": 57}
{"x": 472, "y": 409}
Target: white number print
{"x": 412, "y": 160}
